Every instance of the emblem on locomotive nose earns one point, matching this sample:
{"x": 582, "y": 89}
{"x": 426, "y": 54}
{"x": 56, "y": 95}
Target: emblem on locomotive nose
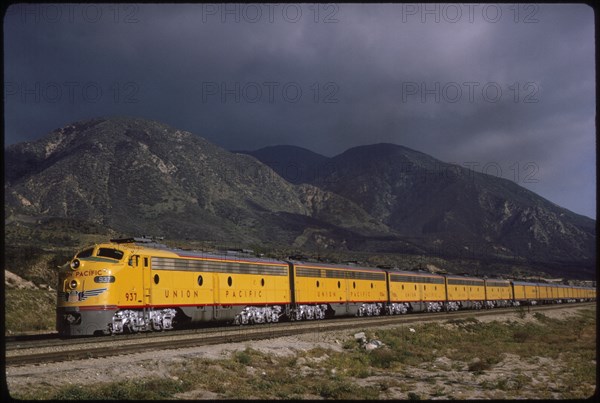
{"x": 76, "y": 296}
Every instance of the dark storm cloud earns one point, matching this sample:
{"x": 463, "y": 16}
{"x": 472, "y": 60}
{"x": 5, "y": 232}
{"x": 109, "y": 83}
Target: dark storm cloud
{"x": 504, "y": 89}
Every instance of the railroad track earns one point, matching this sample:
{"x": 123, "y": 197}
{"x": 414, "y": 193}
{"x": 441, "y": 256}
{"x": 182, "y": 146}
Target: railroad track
{"x": 54, "y": 350}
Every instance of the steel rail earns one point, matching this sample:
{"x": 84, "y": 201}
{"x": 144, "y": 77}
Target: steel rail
{"x": 108, "y": 346}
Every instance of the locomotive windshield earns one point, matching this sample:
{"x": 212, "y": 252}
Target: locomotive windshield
{"x": 85, "y": 253}
{"x": 110, "y": 253}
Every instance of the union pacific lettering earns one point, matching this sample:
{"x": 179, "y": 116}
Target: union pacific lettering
{"x": 86, "y": 273}
{"x": 244, "y": 293}
{"x": 359, "y": 294}
{"x": 181, "y": 294}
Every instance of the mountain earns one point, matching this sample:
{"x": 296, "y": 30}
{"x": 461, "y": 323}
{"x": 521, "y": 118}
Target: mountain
{"x": 143, "y": 177}
{"x": 454, "y": 209}
{"x": 294, "y": 164}
{"x": 128, "y": 176}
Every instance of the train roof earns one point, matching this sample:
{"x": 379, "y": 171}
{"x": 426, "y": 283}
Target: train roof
{"x": 153, "y": 244}
{"x": 183, "y": 253}
{"x": 523, "y": 282}
{"x": 335, "y": 266}
{"x": 516, "y": 282}
{"x": 225, "y": 256}
{"x": 415, "y": 273}
{"x": 456, "y": 276}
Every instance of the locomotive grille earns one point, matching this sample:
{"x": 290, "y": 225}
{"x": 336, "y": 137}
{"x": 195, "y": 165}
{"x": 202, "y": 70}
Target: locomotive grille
{"x": 416, "y": 279}
{"x": 160, "y": 263}
{"x": 309, "y": 272}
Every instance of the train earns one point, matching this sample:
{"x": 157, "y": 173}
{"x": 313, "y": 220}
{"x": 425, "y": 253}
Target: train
{"x": 132, "y": 285}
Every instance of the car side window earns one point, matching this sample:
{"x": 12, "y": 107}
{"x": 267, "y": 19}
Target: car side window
{"x": 134, "y": 261}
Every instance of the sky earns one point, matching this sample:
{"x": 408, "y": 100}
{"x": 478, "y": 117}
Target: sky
{"x": 507, "y": 90}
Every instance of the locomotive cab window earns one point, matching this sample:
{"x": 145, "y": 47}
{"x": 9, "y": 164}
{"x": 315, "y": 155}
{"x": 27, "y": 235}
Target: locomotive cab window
{"x": 110, "y": 253}
{"x": 85, "y": 253}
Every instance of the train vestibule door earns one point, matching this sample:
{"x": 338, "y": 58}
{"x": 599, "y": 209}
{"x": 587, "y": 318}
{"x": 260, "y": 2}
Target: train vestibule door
{"x": 146, "y": 280}
{"x": 140, "y": 291}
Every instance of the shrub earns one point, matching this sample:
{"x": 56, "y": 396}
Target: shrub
{"x": 478, "y": 366}
{"x": 382, "y": 358}
{"x": 146, "y": 389}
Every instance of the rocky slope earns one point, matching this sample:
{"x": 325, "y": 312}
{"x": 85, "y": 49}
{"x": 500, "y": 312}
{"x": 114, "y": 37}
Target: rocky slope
{"x": 143, "y": 177}
{"x": 134, "y": 176}
{"x": 451, "y": 210}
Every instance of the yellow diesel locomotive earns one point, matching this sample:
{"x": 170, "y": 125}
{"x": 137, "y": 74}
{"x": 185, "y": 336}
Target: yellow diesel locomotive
{"x": 414, "y": 292}
{"x": 136, "y": 284}
{"x": 326, "y": 290}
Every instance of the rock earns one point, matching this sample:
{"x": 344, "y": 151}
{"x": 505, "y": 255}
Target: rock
{"x": 11, "y": 280}
{"x": 373, "y": 344}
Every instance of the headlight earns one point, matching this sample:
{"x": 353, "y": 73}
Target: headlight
{"x": 75, "y": 264}
{"x": 73, "y": 284}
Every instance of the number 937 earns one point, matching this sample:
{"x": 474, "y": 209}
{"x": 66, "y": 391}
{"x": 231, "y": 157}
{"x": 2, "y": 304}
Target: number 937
{"x": 130, "y": 296}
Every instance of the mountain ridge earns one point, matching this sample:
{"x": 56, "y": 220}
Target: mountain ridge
{"x": 300, "y": 163}
{"x": 399, "y": 186}
{"x": 140, "y": 176}
{"x": 109, "y": 170}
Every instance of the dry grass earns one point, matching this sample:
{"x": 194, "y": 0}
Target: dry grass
{"x": 29, "y": 310}
{"x": 542, "y": 358}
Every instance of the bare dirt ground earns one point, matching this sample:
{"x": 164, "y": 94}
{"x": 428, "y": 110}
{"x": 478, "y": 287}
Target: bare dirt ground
{"x": 441, "y": 379}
